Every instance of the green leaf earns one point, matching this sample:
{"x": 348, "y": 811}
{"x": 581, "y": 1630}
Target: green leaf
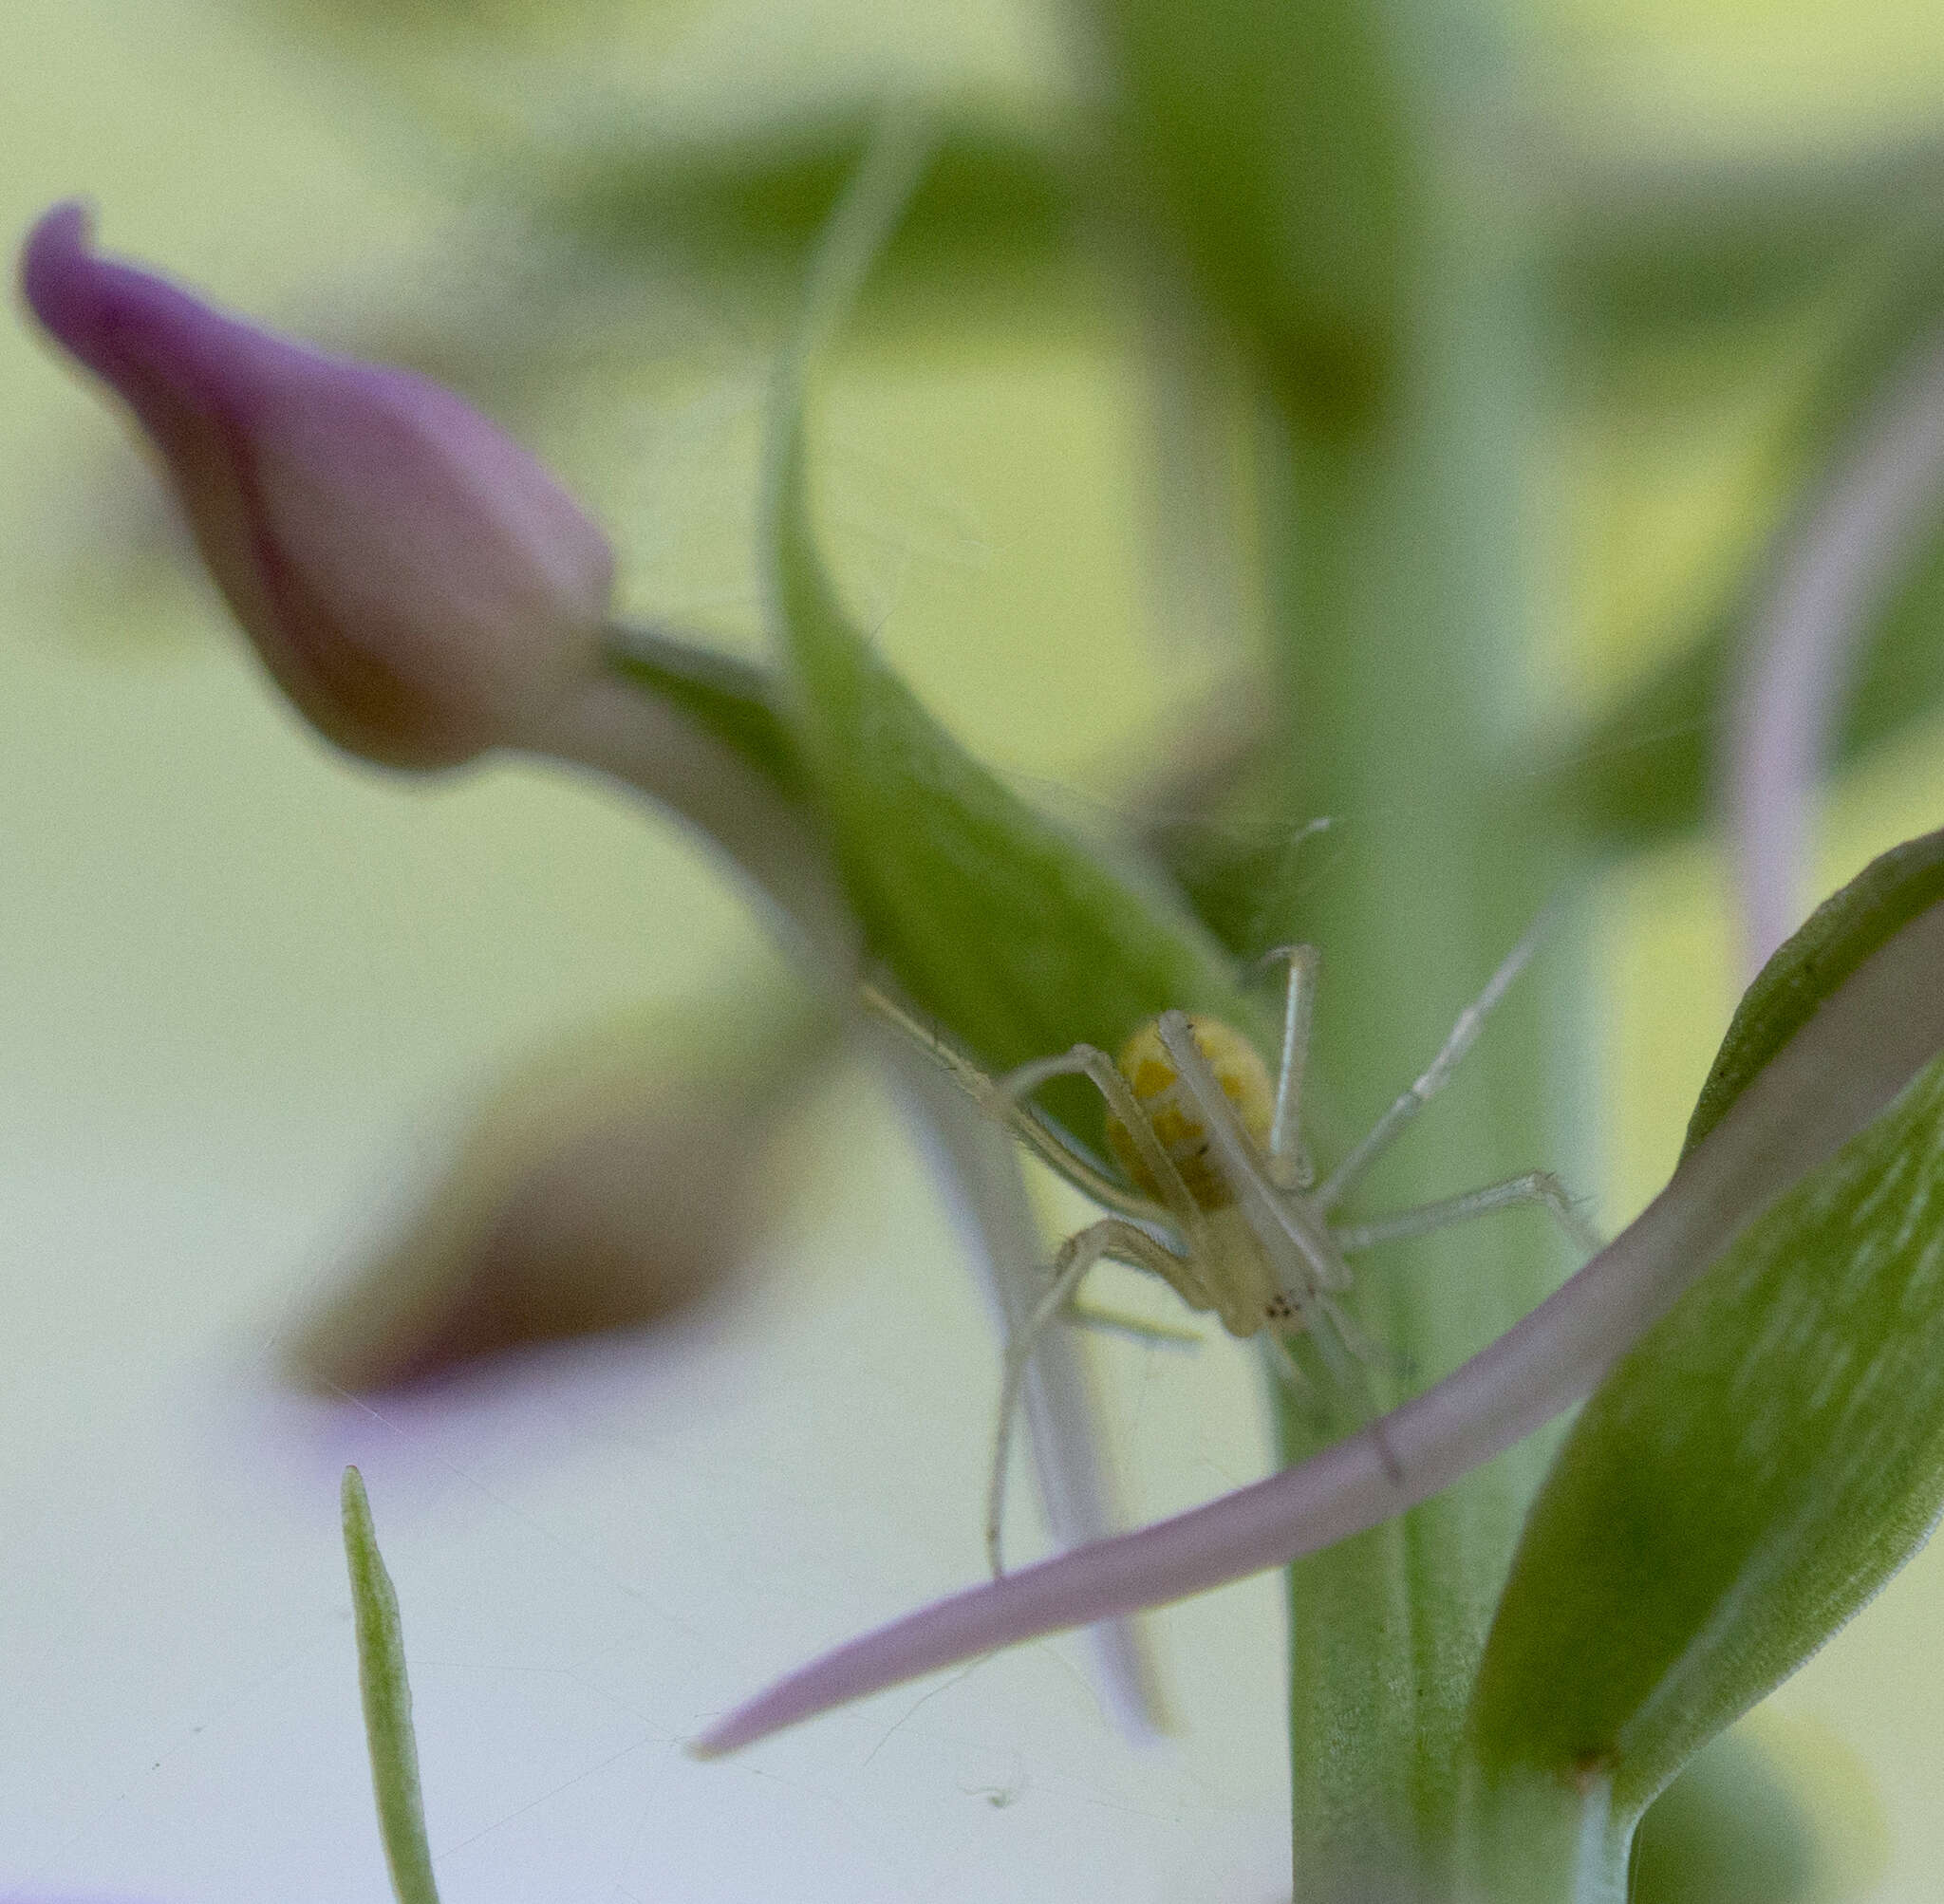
{"x": 387, "y": 1704}
{"x": 1752, "y": 1472}
{"x": 1646, "y": 768}
{"x": 1843, "y": 931}
{"x": 992, "y": 918}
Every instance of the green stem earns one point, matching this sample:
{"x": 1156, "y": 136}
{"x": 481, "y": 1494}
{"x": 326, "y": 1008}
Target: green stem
{"x": 1400, "y": 573}
{"x": 1542, "y": 1841}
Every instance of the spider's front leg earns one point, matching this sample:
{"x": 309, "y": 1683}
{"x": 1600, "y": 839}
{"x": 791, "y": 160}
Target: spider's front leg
{"x": 1002, "y": 1100}
{"x": 1289, "y": 1164}
{"x": 1114, "y": 1238}
{"x": 1535, "y": 1187}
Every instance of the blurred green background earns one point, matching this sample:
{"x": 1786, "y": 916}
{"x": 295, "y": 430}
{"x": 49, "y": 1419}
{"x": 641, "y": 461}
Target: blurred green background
{"x": 247, "y": 988}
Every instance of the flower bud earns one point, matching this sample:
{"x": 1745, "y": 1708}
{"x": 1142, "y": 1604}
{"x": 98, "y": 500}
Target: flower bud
{"x": 417, "y": 584}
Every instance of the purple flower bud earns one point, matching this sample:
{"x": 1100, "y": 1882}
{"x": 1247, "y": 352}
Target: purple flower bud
{"x": 419, "y": 584}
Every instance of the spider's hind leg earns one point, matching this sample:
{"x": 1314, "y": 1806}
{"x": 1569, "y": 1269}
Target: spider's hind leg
{"x": 1112, "y": 1237}
{"x": 1001, "y": 1100}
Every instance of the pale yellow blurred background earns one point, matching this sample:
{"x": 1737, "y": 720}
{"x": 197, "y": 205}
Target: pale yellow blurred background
{"x": 246, "y": 988}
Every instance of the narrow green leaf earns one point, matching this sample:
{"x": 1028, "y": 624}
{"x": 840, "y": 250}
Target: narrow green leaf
{"x": 1646, "y": 770}
{"x": 1752, "y": 1471}
{"x": 1014, "y": 936}
{"x": 387, "y": 1704}
{"x": 1891, "y": 891}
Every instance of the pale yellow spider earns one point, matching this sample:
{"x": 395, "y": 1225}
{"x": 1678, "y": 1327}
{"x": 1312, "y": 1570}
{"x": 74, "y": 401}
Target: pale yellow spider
{"x": 1221, "y": 1202}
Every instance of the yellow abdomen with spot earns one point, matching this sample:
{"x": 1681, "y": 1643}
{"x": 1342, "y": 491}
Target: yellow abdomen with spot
{"x": 1172, "y": 1112}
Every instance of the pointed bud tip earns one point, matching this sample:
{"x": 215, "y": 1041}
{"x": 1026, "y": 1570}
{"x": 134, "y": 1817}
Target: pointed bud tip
{"x": 61, "y": 234}
{"x": 54, "y": 259}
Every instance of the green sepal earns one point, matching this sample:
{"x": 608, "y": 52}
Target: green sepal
{"x": 1012, "y": 934}
{"x": 1749, "y": 1474}
{"x": 387, "y": 1696}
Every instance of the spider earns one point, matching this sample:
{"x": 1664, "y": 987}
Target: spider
{"x": 1221, "y": 1200}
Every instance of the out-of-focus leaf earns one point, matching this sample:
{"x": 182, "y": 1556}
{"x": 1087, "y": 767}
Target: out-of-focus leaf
{"x": 1646, "y": 768}
{"x": 1767, "y": 1455}
{"x": 1275, "y": 136}
{"x": 373, "y": 29}
{"x": 992, "y": 236}
{"x": 387, "y": 1703}
{"x": 1019, "y": 940}
{"x": 1663, "y": 258}
{"x": 1729, "y": 1830}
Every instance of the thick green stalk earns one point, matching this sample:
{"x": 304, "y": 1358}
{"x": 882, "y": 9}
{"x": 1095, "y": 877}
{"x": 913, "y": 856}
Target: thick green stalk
{"x": 1399, "y": 574}
{"x": 1543, "y": 1841}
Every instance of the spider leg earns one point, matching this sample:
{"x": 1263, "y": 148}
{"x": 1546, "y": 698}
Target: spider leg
{"x": 1111, "y": 1236}
{"x": 1288, "y": 1163}
{"x": 1289, "y": 1371}
{"x": 1535, "y": 1187}
{"x": 1088, "y": 1061}
{"x": 1133, "y": 1328}
{"x": 1001, "y": 1104}
{"x": 1463, "y": 1034}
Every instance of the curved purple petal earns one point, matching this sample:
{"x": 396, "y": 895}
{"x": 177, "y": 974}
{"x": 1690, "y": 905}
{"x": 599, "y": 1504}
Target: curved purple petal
{"x": 1830, "y": 574}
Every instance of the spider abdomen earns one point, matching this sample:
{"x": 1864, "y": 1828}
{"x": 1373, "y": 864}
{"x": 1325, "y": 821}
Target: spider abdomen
{"x": 1176, "y": 1119}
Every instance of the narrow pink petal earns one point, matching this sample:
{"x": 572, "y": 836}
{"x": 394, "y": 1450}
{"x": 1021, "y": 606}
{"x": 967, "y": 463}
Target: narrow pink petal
{"x": 1865, "y": 1045}
{"x": 1832, "y": 571}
